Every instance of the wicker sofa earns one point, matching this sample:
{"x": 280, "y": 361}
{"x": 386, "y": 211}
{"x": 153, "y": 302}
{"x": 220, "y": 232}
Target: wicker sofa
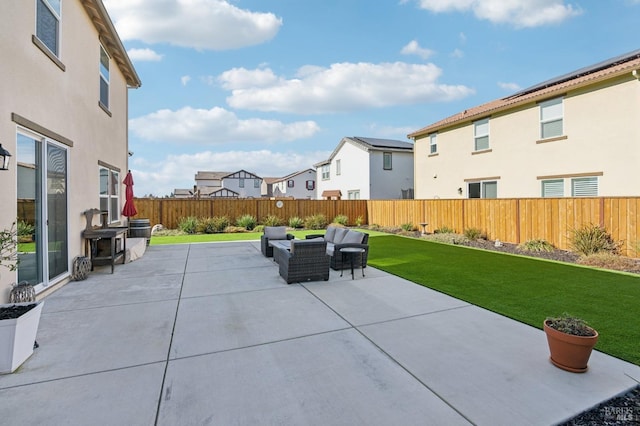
{"x": 306, "y": 261}
{"x": 338, "y": 238}
{"x": 272, "y": 233}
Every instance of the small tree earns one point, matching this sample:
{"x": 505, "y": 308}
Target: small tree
{"x": 8, "y": 245}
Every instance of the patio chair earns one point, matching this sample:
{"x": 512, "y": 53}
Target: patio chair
{"x": 307, "y": 261}
{"x": 272, "y": 233}
{"x": 338, "y": 238}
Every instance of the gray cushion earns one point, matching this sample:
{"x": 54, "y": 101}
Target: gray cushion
{"x": 275, "y": 232}
{"x": 340, "y": 233}
{"x": 352, "y": 237}
{"x": 330, "y": 234}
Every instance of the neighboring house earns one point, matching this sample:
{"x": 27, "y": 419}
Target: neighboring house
{"x": 240, "y": 184}
{"x": 301, "y": 185}
{"x": 266, "y": 188}
{"x": 571, "y": 136}
{"x": 367, "y": 169}
{"x": 63, "y": 117}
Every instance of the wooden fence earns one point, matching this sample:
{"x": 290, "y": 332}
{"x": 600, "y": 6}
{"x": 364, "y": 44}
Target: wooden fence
{"x": 512, "y": 220}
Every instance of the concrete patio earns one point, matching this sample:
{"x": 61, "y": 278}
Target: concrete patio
{"x": 210, "y": 334}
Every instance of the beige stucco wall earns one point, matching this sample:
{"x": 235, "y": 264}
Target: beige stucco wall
{"x": 64, "y": 102}
{"x": 602, "y": 129}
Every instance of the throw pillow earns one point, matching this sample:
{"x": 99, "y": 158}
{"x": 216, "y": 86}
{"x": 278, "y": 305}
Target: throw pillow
{"x": 275, "y": 232}
{"x": 352, "y": 237}
{"x": 340, "y": 233}
{"x": 330, "y": 234}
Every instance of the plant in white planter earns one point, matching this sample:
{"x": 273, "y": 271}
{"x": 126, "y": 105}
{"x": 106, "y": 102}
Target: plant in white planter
{"x": 18, "y": 321}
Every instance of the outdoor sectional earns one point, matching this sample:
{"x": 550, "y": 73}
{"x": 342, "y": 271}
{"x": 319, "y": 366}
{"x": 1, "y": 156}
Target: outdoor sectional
{"x": 306, "y": 261}
{"x": 273, "y": 233}
{"x": 338, "y": 238}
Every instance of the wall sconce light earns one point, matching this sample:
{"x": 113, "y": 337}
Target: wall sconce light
{"x": 4, "y": 158}
{"x": 459, "y": 191}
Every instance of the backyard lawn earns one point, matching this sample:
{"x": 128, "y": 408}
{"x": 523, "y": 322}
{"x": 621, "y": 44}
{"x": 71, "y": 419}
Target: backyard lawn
{"x": 525, "y": 289}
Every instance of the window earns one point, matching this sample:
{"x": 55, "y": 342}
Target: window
{"x": 48, "y": 24}
{"x": 311, "y": 185}
{"x": 551, "y": 118}
{"x": 241, "y": 183}
{"x": 433, "y": 143}
{"x": 487, "y": 189}
{"x": 481, "y": 134}
{"x": 325, "y": 172}
{"x": 104, "y": 77}
{"x": 553, "y": 188}
{"x": 290, "y": 183}
{"x": 338, "y": 168}
{"x": 109, "y": 193}
{"x": 584, "y": 187}
{"x": 256, "y": 183}
{"x": 386, "y": 161}
{"x": 353, "y": 195}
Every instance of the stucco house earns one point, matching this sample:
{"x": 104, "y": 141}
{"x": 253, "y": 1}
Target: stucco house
{"x": 63, "y": 118}
{"x": 362, "y": 168}
{"x": 240, "y": 184}
{"x": 300, "y": 184}
{"x": 573, "y": 135}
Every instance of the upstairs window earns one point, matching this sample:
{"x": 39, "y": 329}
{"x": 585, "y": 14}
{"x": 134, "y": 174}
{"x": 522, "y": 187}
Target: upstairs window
{"x": 290, "y": 183}
{"x": 481, "y": 134}
{"x": 48, "y": 24}
{"x": 325, "y": 172}
{"x": 433, "y": 143}
{"x": 241, "y": 183}
{"x": 551, "y": 117}
{"x": 386, "y": 161}
{"x": 311, "y": 185}
{"x": 104, "y": 77}
{"x": 256, "y": 183}
{"x": 338, "y": 167}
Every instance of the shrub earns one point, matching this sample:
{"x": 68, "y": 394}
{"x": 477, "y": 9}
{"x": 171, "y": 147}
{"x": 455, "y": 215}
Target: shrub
{"x": 590, "y": 239}
{"x": 316, "y": 221}
{"x": 374, "y": 227}
{"x": 25, "y": 229}
{"x": 188, "y": 224}
{"x": 272, "y": 220}
{"x": 610, "y": 261}
{"x": 341, "y": 219}
{"x": 206, "y": 226}
{"x": 474, "y": 234}
{"x": 234, "y": 229}
{"x": 359, "y": 221}
{"x": 258, "y": 228}
{"x": 246, "y": 221}
{"x": 220, "y": 223}
{"x": 296, "y": 222}
{"x": 448, "y": 237}
{"x": 537, "y": 245}
{"x": 444, "y": 230}
{"x": 407, "y": 227}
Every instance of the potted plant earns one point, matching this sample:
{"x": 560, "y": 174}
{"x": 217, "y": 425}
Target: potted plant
{"x": 18, "y": 321}
{"x": 571, "y": 341}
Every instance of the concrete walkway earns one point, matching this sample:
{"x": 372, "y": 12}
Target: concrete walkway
{"x": 209, "y": 334}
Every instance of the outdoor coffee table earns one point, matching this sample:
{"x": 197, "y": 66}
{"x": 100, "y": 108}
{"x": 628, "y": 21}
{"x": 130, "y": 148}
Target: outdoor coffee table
{"x": 351, "y": 253}
{"x": 281, "y": 244}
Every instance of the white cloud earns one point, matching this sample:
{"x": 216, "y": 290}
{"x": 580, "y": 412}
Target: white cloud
{"x": 177, "y": 171}
{"x": 216, "y": 126}
{"x": 341, "y": 87}
{"x": 199, "y": 24}
{"x": 413, "y": 48}
{"x": 185, "y": 79}
{"x": 513, "y": 87}
{"x": 144, "y": 55}
{"x": 519, "y": 13}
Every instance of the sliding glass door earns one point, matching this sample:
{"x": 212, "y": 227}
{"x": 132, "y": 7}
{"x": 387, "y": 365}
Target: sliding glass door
{"x": 42, "y": 209}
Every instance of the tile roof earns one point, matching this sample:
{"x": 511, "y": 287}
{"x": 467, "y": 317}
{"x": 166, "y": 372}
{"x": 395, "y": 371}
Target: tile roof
{"x": 596, "y": 73}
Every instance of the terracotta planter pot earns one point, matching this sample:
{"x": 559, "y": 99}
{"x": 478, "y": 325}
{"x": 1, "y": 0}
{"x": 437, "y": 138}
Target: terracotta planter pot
{"x": 569, "y": 352}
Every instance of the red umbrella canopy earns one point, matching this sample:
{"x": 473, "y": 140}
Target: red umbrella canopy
{"x": 129, "y": 209}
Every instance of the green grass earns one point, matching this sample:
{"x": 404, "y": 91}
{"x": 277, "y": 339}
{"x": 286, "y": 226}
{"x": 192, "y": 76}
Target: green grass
{"x": 525, "y": 289}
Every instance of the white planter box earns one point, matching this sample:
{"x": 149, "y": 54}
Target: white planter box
{"x": 17, "y": 337}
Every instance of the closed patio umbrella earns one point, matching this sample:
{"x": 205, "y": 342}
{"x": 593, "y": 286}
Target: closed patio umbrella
{"x": 129, "y": 209}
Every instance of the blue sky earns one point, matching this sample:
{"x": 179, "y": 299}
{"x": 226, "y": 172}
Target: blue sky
{"x": 271, "y": 86}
